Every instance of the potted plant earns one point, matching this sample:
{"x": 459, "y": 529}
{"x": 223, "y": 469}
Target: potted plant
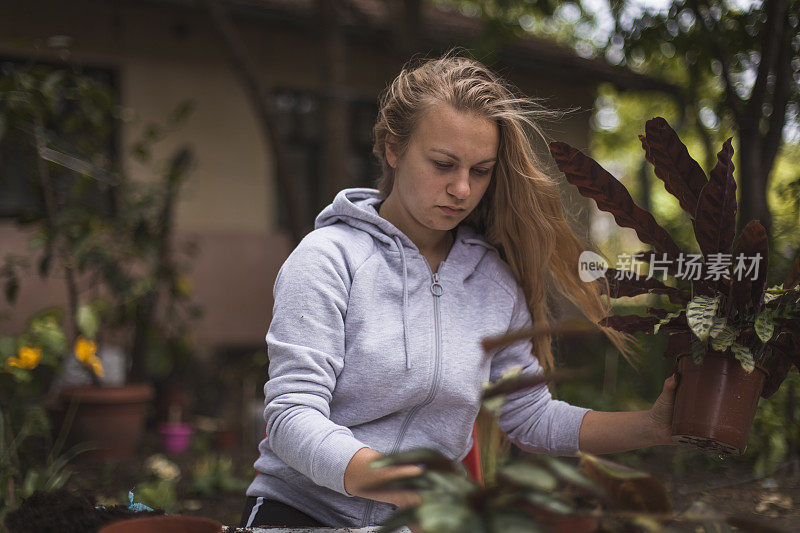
{"x": 31, "y": 457}
{"x": 734, "y": 339}
{"x": 108, "y": 237}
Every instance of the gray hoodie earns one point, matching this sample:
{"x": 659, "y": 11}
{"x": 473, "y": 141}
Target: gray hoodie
{"x": 368, "y": 348}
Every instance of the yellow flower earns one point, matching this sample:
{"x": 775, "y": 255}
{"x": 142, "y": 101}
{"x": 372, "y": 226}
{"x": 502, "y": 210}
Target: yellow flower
{"x": 27, "y": 358}
{"x": 85, "y": 350}
{"x": 86, "y": 353}
{"x": 97, "y": 368}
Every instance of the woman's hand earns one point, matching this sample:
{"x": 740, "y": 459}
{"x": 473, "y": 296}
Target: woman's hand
{"x": 360, "y": 477}
{"x": 613, "y": 432}
{"x": 660, "y": 414}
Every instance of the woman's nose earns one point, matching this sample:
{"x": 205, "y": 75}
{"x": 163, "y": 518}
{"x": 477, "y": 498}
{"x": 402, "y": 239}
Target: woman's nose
{"x": 459, "y": 187}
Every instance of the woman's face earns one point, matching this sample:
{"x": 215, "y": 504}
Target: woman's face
{"x": 444, "y": 172}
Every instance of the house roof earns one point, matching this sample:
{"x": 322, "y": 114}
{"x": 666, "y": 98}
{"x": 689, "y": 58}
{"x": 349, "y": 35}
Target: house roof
{"x": 440, "y": 29}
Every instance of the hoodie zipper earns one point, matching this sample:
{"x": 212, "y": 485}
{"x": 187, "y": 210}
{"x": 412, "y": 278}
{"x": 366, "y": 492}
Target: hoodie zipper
{"x": 436, "y": 290}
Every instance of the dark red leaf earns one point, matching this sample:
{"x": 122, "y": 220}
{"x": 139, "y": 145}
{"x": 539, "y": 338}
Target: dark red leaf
{"x": 638, "y": 285}
{"x": 783, "y": 351}
{"x": 746, "y": 336}
{"x": 677, "y": 324}
{"x": 793, "y": 278}
{"x": 594, "y": 182}
{"x": 777, "y": 368}
{"x": 678, "y": 344}
{"x": 715, "y": 219}
{"x": 630, "y": 323}
{"x": 657, "y": 312}
{"x": 682, "y": 175}
{"x": 744, "y": 291}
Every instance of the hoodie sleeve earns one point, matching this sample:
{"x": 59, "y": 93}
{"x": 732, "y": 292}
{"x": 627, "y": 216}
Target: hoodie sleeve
{"x": 305, "y": 345}
{"x": 531, "y": 418}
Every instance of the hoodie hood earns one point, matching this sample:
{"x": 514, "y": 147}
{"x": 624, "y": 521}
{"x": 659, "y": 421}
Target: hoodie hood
{"x": 358, "y": 208}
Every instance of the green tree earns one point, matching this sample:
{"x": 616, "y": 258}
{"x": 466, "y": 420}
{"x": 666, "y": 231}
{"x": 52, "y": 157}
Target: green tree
{"x": 737, "y": 65}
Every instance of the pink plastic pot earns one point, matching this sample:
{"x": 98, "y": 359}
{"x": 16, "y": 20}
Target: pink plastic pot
{"x": 176, "y": 437}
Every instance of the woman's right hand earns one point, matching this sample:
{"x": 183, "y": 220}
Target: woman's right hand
{"x": 360, "y": 477}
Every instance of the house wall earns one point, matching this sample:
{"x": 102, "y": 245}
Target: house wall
{"x": 165, "y": 54}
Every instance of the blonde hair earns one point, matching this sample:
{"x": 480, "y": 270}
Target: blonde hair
{"x": 521, "y": 213}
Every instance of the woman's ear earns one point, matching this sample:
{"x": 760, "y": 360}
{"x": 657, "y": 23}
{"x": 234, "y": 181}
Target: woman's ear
{"x": 390, "y": 149}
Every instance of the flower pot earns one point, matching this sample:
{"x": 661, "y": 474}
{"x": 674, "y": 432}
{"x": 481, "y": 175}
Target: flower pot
{"x": 176, "y": 437}
{"x": 110, "y": 418}
{"x": 715, "y": 403}
{"x": 164, "y": 524}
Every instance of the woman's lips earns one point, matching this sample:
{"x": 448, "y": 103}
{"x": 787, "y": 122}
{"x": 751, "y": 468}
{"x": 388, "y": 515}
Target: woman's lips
{"x": 450, "y": 210}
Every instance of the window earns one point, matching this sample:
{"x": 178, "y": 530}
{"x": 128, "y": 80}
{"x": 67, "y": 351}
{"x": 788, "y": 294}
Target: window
{"x": 299, "y": 123}
{"x": 74, "y": 108}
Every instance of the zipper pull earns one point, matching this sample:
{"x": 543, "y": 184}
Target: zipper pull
{"x": 436, "y": 287}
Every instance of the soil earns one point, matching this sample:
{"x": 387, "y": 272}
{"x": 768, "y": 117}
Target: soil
{"x": 698, "y": 485}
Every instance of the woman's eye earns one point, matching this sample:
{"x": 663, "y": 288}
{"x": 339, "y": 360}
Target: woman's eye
{"x": 442, "y": 164}
{"x": 481, "y": 171}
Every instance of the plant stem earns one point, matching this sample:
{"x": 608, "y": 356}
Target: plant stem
{"x": 53, "y": 243}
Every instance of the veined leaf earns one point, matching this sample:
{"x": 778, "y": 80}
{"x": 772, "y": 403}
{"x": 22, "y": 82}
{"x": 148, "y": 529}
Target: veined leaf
{"x": 765, "y": 324}
{"x": 595, "y": 182}
{"x": 666, "y": 319}
{"x": 725, "y": 338}
{"x": 672, "y": 164}
{"x": 768, "y": 297}
{"x": 700, "y": 314}
{"x": 698, "y": 350}
{"x": 744, "y": 356}
{"x": 717, "y": 326}
{"x": 715, "y": 221}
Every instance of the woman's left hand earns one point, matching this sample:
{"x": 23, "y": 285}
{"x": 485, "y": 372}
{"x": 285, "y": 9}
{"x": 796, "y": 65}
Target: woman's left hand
{"x": 660, "y": 414}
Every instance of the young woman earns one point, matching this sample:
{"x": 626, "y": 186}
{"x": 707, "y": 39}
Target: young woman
{"x": 374, "y": 345}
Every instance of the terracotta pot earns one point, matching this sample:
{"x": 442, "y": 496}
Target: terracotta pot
{"x": 111, "y": 418}
{"x": 164, "y": 524}
{"x": 715, "y": 403}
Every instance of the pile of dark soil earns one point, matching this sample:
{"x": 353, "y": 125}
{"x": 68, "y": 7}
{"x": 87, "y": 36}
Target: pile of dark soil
{"x": 66, "y": 512}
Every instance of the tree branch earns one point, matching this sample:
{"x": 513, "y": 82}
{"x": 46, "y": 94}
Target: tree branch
{"x": 734, "y": 102}
{"x": 771, "y": 38}
{"x": 780, "y": 100}
{"x": 246, "y": 70}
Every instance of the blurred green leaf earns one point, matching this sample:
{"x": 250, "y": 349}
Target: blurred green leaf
{"x": 513, "y": 522}
{"x": 447, "y": 518}
{"x": 528, "y": 475}
{"x": 88, "y": 321}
